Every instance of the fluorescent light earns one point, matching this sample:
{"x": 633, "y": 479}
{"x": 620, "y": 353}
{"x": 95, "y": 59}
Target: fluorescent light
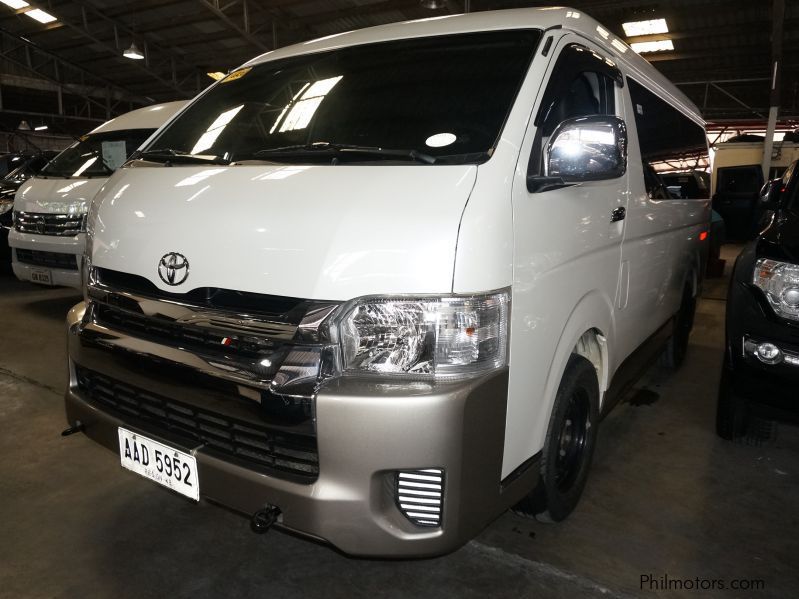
{"x": 133, "y": 52}
{"x": 658, "y": 46}
{"x": 15, "y": 4}
{"x": 645, "y": 27}
{"x": 40, "y": 15}
{"x": 216, "y": 75}
{"x": 40, "y": 128}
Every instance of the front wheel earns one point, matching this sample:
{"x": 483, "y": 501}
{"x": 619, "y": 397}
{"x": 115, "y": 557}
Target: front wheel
{"x": 732, "y": 412}
{"x": 569, "y": 445}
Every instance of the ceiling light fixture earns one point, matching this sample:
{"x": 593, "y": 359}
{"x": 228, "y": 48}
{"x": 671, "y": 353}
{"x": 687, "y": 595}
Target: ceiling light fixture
{"x": 15, "y": 4}
{"x": 650, "y": 27}
{"x": 657, "y": 46}
{"x": 23, "y": 126}
{"x": 133, "y": 52}
{"x": 40, "y": 128}
{"x": 432, "y": 4}
{"x": 39, "y": 15}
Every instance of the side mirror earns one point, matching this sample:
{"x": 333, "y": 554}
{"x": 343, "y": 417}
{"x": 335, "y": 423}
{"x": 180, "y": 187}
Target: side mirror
{"x": 771, "y": 194}
{"x": 588, "y": 148}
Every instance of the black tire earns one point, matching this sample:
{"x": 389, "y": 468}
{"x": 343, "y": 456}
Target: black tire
{"x": 677, "y": 347}
{"x": 732, "y": 411}
{"x": 569, "y": 445}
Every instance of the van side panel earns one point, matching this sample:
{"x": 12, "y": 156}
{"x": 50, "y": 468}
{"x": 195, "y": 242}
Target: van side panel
{"x": 660, "y": 249}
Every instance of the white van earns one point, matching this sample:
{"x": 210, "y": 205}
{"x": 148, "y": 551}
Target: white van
{"x": 377, "y": 288}
{"x": 47, "y": 240}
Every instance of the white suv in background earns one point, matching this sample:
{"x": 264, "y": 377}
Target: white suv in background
{"x": 48, "y": 236}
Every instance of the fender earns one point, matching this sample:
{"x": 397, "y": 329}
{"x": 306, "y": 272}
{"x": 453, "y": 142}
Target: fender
{"x": 592, "y": 311}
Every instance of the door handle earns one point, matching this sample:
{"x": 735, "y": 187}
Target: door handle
{"x": 618, "y": 214}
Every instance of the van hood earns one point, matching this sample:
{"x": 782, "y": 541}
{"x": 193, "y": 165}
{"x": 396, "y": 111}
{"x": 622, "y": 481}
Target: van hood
{"x": 313, "y": 232}
{"x": 57, "y": 195}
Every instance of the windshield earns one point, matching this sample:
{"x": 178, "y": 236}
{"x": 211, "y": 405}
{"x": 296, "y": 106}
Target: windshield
{"x": 30, "y": 168}
{"x": 97, "y": 154}
{"x": 446, "y": 97}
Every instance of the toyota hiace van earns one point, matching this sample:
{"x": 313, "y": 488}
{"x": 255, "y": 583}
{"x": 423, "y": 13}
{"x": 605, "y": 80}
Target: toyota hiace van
{"x": 380, "y": 287}
{"x": 48, "y": 234}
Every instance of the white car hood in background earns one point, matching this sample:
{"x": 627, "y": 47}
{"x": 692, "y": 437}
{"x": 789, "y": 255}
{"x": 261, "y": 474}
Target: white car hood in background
{"x": 314, "y": 232}
{"x": 57, "y": 195}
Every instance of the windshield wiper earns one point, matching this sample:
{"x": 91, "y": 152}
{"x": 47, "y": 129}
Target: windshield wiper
{"x": 335, "y": 149}
{"x": 170, "y": 155}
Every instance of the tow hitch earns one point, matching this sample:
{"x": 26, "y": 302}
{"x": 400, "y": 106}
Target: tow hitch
{"x": 263, "y": 519}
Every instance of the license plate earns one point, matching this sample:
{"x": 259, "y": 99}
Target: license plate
{"x": 41, "y": 276}
{"x": 165, "y": 465}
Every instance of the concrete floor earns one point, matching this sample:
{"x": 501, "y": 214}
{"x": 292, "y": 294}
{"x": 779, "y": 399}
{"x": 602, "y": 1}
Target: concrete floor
{"x": 666, "y": 498}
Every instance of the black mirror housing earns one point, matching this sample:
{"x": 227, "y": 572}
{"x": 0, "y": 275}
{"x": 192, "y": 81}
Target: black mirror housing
{"x": 771, "y": 194}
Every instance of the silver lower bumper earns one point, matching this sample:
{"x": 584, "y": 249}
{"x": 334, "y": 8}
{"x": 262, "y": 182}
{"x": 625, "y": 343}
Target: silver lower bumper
{"x": 366, "y": 432}
{"x": 48, "y": 243}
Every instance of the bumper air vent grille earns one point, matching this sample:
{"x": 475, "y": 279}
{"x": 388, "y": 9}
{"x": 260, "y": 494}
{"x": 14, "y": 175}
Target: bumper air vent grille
{"x": 420, "y": 496}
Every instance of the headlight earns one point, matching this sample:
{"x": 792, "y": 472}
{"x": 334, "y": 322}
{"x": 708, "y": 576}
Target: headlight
{"x": 6, "y": 205}
{"x": 780, "y": 282}
{"x": 441, "y": 336}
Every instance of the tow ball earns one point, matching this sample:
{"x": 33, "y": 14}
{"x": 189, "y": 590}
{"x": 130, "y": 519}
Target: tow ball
{"x": 263, "y": 519}
{"x": 78, "y": 427}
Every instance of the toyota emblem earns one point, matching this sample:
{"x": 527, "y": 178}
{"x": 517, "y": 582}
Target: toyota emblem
{"x": 173, "y": 268}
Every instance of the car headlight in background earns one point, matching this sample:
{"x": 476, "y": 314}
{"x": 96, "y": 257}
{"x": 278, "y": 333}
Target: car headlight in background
{"x": 6, "y": 205}
{"x": 780, "y": 283}
{"x": 426, "y": 336}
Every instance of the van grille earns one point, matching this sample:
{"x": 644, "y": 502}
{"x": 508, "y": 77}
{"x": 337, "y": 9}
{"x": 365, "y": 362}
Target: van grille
{"x": 62, "y": 225}
{"x": 49, "y": 259}
{"x": 175, "y": 334}
{"x": 284, "y": 455}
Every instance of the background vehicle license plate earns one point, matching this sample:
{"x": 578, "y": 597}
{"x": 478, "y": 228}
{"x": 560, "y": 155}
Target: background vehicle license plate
{"x": 165, "y": 465}
{"x": 41, "y": 276}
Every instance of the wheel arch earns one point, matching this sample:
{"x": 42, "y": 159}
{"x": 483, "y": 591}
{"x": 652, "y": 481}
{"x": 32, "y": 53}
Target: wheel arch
{"x": 589, "y": 332}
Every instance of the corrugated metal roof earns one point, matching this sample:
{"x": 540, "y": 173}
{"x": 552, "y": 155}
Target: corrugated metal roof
{"x": 714, "y": 40}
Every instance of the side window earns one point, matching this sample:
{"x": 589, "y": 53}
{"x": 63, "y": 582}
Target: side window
{"x": 588, "y": 93}
{"x": 740, "y": 179}
{"x": 582, "y": 84}
{"x": 673, "y": 148}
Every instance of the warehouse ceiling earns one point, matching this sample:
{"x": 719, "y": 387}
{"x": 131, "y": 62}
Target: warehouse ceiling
{"x": 74, "y": 65}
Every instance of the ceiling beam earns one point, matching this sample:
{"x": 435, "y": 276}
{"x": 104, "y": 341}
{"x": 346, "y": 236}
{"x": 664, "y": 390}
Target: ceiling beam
{"x": 92, "y": 24}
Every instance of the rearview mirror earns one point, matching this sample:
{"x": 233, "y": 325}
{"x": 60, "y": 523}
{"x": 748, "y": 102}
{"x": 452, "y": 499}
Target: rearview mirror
{"x": 770, "y": 194}
{"x": 590, "y": 148}
{"x": 586, "y": 148}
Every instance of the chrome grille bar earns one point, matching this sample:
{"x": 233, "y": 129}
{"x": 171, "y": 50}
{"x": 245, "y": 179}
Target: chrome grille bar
{"x": 60, "y": 225}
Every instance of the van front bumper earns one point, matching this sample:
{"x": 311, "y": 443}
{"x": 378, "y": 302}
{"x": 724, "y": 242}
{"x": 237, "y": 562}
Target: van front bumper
{"x": 51, "y": 244}
{"x": 367, "y": 432}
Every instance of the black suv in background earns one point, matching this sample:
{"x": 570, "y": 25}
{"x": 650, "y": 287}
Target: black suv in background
{"x": 761, "y": 363}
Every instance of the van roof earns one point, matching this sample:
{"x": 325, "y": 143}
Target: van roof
{"x": 149, "y": 117}
{"x": 555, "y": 17}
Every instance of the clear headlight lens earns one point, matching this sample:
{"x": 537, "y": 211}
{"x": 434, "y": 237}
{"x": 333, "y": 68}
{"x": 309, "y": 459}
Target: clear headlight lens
{"x": 441, "y": 336}
{"x": 780, "y": 282}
